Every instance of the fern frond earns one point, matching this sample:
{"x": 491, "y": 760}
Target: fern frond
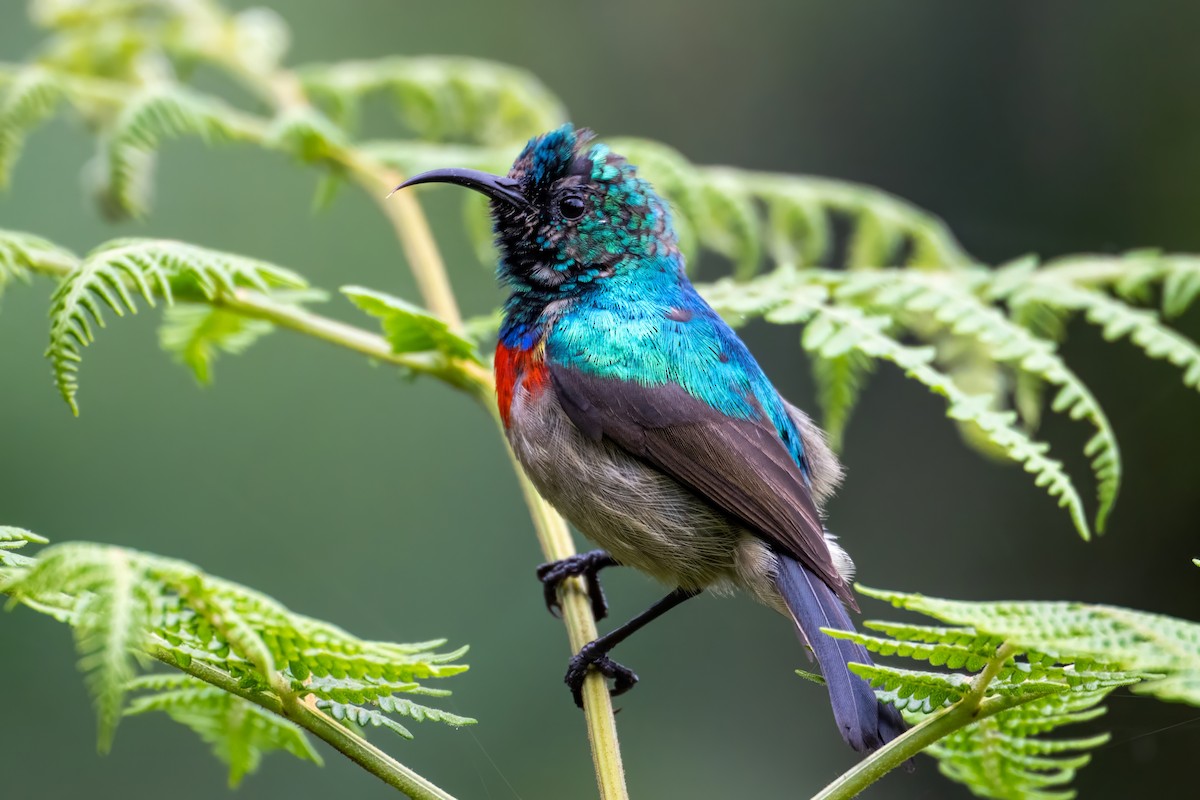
{"x": 442, "y": 99}
{"x": 109, "y": 616}
{"x": 147, "y": 120}
{"x": 239, "y": 732}
{"x": 31, "y": 97}
{"x": 1164, "y": 648}
{"x": 1010, "y": 673}
{"x": 244, "y": 645}
{"x": 148, "y": 267}
{"x": 737, "y": 213}
{"x": 194, "y": 334}
{"x": 835, "y": 330}
{"x": 1118, "y": 320}
{"x": 949, "y": 301}
{"x": 1003, "y": 757}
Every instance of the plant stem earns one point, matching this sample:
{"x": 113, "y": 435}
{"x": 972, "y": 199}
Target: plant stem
{"x": 354, "y": 747}
{"x": 465, "y": 375}
{"x": 970, "y": 709}
{"x": 556, "y": 543}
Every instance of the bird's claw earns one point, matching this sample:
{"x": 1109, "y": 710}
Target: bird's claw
{"x": 623, "y": 677}
{"x": 586, "y": 565}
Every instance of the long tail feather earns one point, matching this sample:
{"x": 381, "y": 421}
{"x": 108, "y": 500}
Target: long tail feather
{"x": 864, "y": 722}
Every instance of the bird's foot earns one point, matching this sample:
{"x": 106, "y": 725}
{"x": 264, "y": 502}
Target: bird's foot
{"x": 623, "y": 677}
{"x": 586, "y": 565}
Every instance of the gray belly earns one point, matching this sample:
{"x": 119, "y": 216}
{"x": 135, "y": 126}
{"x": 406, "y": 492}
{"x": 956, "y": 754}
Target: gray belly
{"x": 644, "y": 518}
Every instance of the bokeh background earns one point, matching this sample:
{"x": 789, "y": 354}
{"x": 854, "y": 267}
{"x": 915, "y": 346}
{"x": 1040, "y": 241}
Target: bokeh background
{"x": 389, "y": 507}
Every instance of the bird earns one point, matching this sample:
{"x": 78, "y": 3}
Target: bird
{"x": 642, "y": 417}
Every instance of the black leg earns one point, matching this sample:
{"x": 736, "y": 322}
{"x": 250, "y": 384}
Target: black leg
{"x": 586, "y": 564}
{"x": 595, "y": 653}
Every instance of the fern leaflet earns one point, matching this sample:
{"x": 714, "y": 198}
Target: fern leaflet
{"x": 196, "y": 333}
{"x": 148, "y": 267}
{"x": 149, "y": 118}
{"x": 409, "y": 328}
{"x": 31, "y": 97}
{"x": 239, "y": 732}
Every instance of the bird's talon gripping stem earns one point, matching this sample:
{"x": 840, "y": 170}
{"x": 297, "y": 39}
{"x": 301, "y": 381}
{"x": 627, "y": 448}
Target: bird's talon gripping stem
{"x": 623, "y": 677}
{"x": 553, "y": 573}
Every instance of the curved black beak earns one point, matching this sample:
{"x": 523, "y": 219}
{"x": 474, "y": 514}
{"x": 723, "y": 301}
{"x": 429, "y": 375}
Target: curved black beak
{"x": 497, "y": 187}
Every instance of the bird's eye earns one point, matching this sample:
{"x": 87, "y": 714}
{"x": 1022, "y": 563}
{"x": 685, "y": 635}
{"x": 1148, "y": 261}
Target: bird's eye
{"x": 571, "y": 207}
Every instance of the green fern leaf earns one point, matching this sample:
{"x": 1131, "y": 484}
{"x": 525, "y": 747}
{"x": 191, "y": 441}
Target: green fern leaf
{"x": 884, "y": 227}
{"x": 1010, "y": 674}
{"x": 111, "y": 609}
{"x": 306, "y": 134}
{"x": 840, "y": 380}
{"x": 144, "y": 123}
{"x": 194, "y": 334}
{"x": 912, "y": 688}
{"x": 363, "y": 717}
{"x": 443, "y": 99}
{"x": 12, "y": 539}
{"x": 1044, "y": 322}
{"x": 1002, "y": 757}
{"x": 783, "y": 298}
{"x": 949, "y": 301}
{"x": 31, "y": 97}
{"x": 1181, "y": 286}
{"x": 125, "y": 604}
{"x": 148, "y": 267}
{"x": 1118, "y": 320}
{"x": 409, "y": 328}
{"x": 1164, "y": 648}
{"x": 729, "y": 223}
{"x": 239, "y": 732}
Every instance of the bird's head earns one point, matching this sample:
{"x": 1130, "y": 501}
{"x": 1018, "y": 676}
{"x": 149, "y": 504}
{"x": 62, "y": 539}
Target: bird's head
{"x": 569, "y": 213}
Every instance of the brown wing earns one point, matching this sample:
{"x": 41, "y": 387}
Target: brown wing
{"x": 740, "y": 466}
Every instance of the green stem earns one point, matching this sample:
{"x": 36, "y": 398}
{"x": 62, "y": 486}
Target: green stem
{"x": 972, "y": 708}
{"x": 354, "y": 747}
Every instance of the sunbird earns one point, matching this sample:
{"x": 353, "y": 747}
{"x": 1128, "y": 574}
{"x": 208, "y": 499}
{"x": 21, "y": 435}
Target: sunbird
{"x": 642, "y": 417}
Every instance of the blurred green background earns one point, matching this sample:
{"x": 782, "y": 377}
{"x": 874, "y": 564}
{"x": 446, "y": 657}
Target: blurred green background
{"x": 390, "y": 507}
